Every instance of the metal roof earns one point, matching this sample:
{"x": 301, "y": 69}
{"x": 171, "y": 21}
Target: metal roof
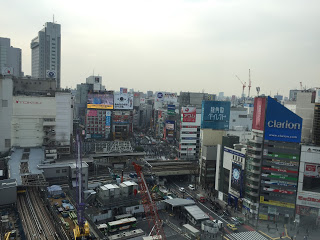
{"x": 176, "y": 202}
{"x": 196, "y": 212}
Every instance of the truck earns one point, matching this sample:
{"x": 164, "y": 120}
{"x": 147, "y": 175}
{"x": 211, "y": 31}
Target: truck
{"x": 201, "y": 198}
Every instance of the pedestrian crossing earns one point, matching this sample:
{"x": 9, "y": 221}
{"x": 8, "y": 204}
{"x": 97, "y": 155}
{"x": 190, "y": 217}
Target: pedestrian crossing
{"x": 251, "y": 235}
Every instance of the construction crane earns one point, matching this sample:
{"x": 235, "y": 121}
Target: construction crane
{"x": 249, "y": 86}
{"x": 150, "y": 208}
{"x": 243, "y": 86}
{"x": 81, "y": 230}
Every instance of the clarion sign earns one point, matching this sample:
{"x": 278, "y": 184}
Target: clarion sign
{"x": 286, "y": 124}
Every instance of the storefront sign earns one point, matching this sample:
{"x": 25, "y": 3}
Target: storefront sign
{"x": 305, "y": 200}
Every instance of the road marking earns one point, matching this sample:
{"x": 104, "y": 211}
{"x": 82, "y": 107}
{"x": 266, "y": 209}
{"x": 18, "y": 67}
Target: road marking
{"x": 214, "y": 213}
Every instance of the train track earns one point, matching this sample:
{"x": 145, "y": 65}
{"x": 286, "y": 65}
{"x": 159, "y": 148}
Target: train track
{"x": 36, "y": 221}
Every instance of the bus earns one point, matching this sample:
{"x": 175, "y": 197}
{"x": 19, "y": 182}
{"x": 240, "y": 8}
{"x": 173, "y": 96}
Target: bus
{"x": 118, "y": 217}
{"x": 122, "y": 224}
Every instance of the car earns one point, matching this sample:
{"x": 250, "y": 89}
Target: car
{"x": 232, "y": 227}
{"x": 235, "y": 221}
{"x": 240, "y": 220}
{"x": 191, "y": 187}
{"x": 181, "y": 189}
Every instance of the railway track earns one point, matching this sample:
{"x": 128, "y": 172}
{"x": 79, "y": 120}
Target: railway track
{"x": 36, "y": 221}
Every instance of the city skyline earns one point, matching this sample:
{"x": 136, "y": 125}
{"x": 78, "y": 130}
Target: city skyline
{"x": 177, "y": 46}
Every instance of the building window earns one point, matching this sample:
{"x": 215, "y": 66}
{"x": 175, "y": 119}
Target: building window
{"x": 4, "y": 103}
{"x": 58, "y": 171}
{"x": 7, "y": 143}
{"x": 64, "y": 170}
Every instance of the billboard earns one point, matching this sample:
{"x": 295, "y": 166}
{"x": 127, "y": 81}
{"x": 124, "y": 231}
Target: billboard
{"x": 121, "y": 118}
{"x": 282, "y": 124}
{"x": 215, "y": 115}
{"x": 236, "y": 177}
{"x": 100, "y": 100}
{"x": 159, "y": 97}
{"x": 259, "y": 113}
{"x": 189, "y": 114}
{"x": 309, "y": 200}
{"x": 312, "y": 170}
{"x": 166, "y": 97}
{"x": 108, "y": 119}
{"x": 171, "y": 109}
{"x": 123, "y": 101}
{"x": 170, "y": 125}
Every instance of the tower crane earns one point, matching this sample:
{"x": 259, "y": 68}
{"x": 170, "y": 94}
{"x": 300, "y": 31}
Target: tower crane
{"x": 243, "y": 86}
{"x": 249, "y": 86}
{"x": 150, "y": 208}
{"x": 81, "y": 230}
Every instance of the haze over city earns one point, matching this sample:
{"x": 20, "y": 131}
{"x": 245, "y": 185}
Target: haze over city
{"x": 176, "y": 45}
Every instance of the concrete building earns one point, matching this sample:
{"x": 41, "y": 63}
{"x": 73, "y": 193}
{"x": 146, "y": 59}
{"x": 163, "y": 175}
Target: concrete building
{"x": 305, "y": 108}
{"x": 34, "y": 115}
{"x": 316, "y": 124}
{"x": 189, "y": 142}
{"x": 46, "y": 53}
{"x": 10, "y": 58}
{"x": 308, "y": 196}
{"x": 208, "y": 161}
{"x": 240, "y": 119}
{"x": 8, "y": 188}
{"x": 272, "y": 162}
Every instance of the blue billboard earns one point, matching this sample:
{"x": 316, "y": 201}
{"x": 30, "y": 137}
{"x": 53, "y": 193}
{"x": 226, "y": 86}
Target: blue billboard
{"x": 215, "y": 115}
{"x": 281, "y": 124}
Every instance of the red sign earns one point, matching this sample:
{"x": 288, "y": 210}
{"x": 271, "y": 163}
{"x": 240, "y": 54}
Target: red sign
{"x": 189, "y": 114}
{"x": 279, "y": 170}
{"x": 92, "y": 113}
{"x": 259, "y": 113}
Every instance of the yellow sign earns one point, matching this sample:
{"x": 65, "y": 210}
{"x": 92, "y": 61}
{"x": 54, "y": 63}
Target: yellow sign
{"x": 100, "y": 106}
{"x": 277, "y": 203}
{"x": 263, "y": 217}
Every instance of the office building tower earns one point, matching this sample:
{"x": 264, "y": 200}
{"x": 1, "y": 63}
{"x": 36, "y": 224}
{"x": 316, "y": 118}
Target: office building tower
{"x": 10, "y": 58}
{"x": 46, "y": 53}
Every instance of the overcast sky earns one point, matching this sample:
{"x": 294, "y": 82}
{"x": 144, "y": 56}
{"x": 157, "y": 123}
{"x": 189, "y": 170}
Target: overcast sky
{"x": 174, "y": 45}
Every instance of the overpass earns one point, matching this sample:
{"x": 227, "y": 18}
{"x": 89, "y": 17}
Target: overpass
{"x": 164, "y": 168}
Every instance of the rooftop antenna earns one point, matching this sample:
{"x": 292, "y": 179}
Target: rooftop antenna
{"x": 53, "y": 18}
{"x": 258, "y": 90}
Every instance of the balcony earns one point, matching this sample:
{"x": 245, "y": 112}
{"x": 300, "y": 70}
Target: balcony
{"x": 252, "y": 186}
{"x": 253, "y": 155}
{"x": 253, "y": 178}
{"x": 254, "y": 171}
{"x": 254, "y": 194}
{"x": 254, "y": 163}
{"x": 256, "y": 140}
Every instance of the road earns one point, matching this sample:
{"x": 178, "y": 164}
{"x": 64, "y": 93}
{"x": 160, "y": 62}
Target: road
{"x": 205, "y": 206}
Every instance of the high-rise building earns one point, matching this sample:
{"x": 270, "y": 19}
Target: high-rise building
{"x": 10, "y": 58}
{"x": 272, "y": 164}
{"x": 46, "y": 53}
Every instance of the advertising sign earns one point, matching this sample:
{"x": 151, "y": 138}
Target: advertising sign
{"x": 159, "y": 97}
{"x": 108, "y": 119}
{"x": 123, "y": 101}
{"x": 317, "y": 100}
{"x": 189, "y": 114}
{"x": 278, "y": 176}
{"x": 259, "y": 113}
{"x": 170, "y": 97}
{"x": 215, "y": 115}
{"x": 170, "y": 125}
{"x": 236, "y": 177}
{"x": 277, "y": 203}
{"x": 308, "y": 200}
{"x": 279, "y": 183}
{"x": 282, "y": 124}
{"x": 100, "y": 100}
{"x": 312, "y": 170}
{"x": 171, "y": 109}
{"x": 279, "y": 170}
{"x": 142, "y": 100}
{"x": 278, "y": 190}
{"x": 92, "y": 113}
